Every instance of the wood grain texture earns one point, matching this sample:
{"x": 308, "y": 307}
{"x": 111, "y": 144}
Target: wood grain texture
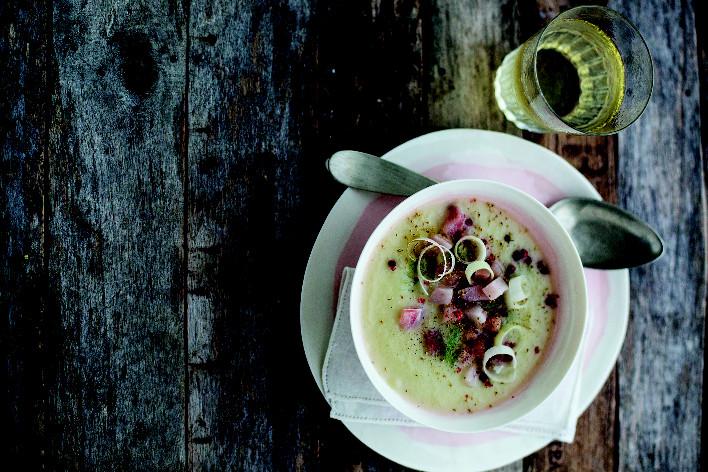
{"x": 157, "y": 158}
{"x": 25, "y": 339}
{"x": 661, "y": 179}
{"x": 244, "y": 198}
{"x": 594, "y": 156}
{"x": 703, "y": 87}
{"x": 467, "y": 42}
{"x": 116, "y": 219}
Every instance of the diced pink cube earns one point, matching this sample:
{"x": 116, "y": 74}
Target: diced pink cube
{"x": 410, "y": 318}
{"x": 473, "y": 294}
{"x": 441, "y": 295}
{"x": 454, "y": 222}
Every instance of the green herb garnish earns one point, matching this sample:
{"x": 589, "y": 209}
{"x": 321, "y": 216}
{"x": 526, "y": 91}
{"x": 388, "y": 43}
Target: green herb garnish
{"x": 452, "y": 345}
{"x": 412, "y": 274}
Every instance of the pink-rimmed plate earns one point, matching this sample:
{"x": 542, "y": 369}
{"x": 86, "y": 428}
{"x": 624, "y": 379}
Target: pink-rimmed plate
{"x": 446, "y": 155}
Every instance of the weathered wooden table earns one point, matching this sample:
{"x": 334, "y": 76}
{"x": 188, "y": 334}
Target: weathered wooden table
{"x": 162, "y": 182}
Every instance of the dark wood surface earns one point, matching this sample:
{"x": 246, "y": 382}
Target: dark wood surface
{"x": 158, "y": 159}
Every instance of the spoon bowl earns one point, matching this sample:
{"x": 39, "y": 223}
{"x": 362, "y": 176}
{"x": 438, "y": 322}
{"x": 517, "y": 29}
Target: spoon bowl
{"x": 605, "y": 236}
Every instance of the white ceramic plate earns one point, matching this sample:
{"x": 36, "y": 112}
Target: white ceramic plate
{"x": 447, "y": 155}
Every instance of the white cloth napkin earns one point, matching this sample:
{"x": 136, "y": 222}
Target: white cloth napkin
{"x": 353, "y": 398}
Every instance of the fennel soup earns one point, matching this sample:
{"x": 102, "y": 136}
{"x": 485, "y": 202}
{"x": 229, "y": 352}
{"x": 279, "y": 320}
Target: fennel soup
{"x": 459, "y": 306}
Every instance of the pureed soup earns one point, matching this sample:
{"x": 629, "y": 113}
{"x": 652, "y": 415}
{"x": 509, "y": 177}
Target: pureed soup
{"x": 459, "y": 306}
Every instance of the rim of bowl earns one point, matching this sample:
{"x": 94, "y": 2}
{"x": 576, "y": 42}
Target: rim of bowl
{"x": 481, "y": 420}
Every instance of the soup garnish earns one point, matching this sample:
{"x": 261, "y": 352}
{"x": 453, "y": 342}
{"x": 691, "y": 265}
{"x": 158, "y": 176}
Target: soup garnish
{"x": 463, "y": 326}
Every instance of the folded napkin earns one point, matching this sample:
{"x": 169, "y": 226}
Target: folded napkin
{"x": 354, "y": 398}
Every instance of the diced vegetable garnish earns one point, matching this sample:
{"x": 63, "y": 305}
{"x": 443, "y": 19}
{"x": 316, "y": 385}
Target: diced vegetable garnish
{"x": 472, "y": 377}
{"x": 516, "y": 296}
{"x": 477, "y": 315}
{"x": 441, "y": 295}
{"x": 463, "y": 359}
{"x": 474, "y": 266}
{"x": 410, "y": 318}
{"x": 480, "y": 250}
{"x": 473, "y": 294}
{"x": 442, "y": 240}
{"x": 478, "y": 348}
{"x": 454, "y": 222}
{"x": 497, "y": 268}
{"x": 500, "y": 364}
{"x": 453, "y": 278}
{"x": 495, "y": 289}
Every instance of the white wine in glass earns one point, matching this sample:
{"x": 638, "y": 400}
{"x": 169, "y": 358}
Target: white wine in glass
{"x": 588, "y": 72}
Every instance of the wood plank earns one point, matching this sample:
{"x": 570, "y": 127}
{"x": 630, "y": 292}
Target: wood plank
{"x": 245, "y": 196}
{"x": 661, "y": 179}
{"x": 116, "y": 222}
{"x": 466, "y": 44}
{"x": 594, "y": 156}
{"x": 370, "y": 79}
{"x": 703, "y": 88}
{"x": 25, "y": 340}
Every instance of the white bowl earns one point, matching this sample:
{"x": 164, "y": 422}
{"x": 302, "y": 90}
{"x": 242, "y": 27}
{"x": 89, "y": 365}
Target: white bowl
{"x": 569, "y": 279}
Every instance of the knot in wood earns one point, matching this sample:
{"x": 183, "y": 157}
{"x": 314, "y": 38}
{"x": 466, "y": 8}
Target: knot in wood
{"x": 137, "y": 63}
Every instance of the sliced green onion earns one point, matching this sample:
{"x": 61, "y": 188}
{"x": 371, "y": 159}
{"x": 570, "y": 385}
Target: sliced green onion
{"x": 474, "y": 266}
{"x": 501, "y": 374}
{"x": 447, "y": 266}
{"x": 480, "y": 249}
{"x": 506, "y": 330}
{"x": 414, "y": 244}
{"x": 516, "y": 296}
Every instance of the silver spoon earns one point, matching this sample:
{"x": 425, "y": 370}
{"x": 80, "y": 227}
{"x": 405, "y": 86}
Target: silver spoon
{"x": 606, "y": 237}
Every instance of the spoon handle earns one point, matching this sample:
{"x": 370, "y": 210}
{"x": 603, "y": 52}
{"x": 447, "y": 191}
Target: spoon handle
{"x": 366, "y": 172}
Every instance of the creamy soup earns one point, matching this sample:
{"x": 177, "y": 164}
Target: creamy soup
{"x": 463, "y": 336}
